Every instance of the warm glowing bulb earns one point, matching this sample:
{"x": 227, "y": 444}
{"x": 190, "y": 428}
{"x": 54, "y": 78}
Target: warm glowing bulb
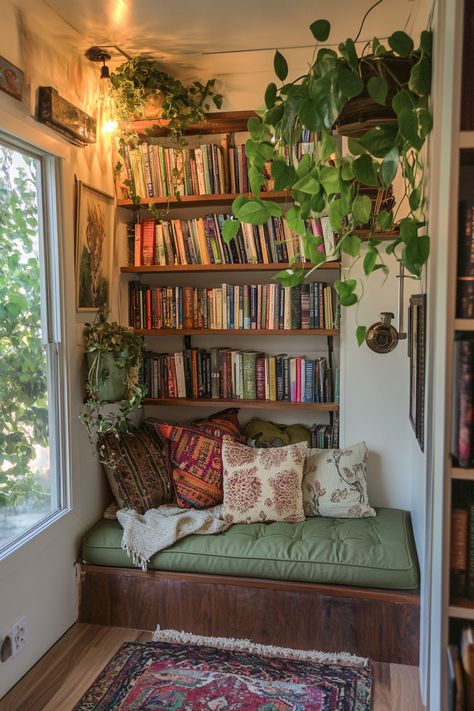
{"x": 106, "y": 108}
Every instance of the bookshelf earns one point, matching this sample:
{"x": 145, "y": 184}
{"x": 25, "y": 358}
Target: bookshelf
{"x": 212, "y": 275}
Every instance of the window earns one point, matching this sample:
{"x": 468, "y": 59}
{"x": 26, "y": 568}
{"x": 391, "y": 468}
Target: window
{"x": 31, "y": 375}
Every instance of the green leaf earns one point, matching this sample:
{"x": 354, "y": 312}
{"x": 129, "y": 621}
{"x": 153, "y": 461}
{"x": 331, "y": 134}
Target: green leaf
{"x": 361, "y": 209}
{"x": 404, "y": 99}
{"x": 385, "y": 219}
{"x": 328, "y": 146}
{"x": 270, "y": 95}
{"x": 408, "y": 230}
{"x": 294, "y": 221}
{"x": 274, "y": 116}
{"x": 378, "y": 89}
{"x": 273, "y": 208}
{"x": 389, "y": 167}
{"x": 255, "y": 128}
{"x": 266, "y": 150}
{"x": 370, "y": 260}
{"x": 329, "y": 177}
{"x": 420, "y": 77}
{"x": 280, "y": 66}
{"x": 290, "y": 277}
{"x": 415, "y": 198}
{"x": 426, "y": 42}
{"x": 347, "y": 170}
{"x": 379, "y": 140}
{"x": 408, "y": 126}
{"x": 328, "y": 100}
{"x": 348, "y": 51}
{"x": 401, "y": 43}
{"x": 355, "y": 147}
{"x": 350, "y": 244}
{"x": 310, "y": 246}
{"x": 309, "y": 115}
{"x": 360, "y": 334}
{"x": 364, "y": 169}
{"x": 320, "y": 30}
{"x": 254, "y": 211}
{"x": 336, "y": 215}
{"x": 256, "y": 180}
{"x": 350, "y": 83}
{"x": 416, "y": 253}
{"x": 230, "y": 229}
{"x": 238, "y": 203}
{"x": 283, "y": 174}
{"x": 318, "y": 203}
{"x": 308, "y": 183}
{"x": 304, "y": 166}
{"x": 251, "y": 148}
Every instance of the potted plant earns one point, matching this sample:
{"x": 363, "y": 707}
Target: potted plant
{"x": 113, "y": 357}
{"x": 335, "y": 183}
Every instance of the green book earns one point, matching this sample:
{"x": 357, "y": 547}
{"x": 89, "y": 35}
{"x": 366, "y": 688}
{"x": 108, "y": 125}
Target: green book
{"x": 249, "y": 373}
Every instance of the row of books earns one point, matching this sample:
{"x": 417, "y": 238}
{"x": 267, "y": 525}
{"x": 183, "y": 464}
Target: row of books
{"x": 465, "y": 270}
{"x": 231, "y": 307}
{"x": 325, "y": 436}
{"x": 156, "y": 170}
{"x": 461, "y": 560}
{"x": 200, "y": 241}
{"x": 462, "y": 432}
{"x": 234, "y": 374}
{"x": 163, "y": 171}
{"x": 461, "y": 671}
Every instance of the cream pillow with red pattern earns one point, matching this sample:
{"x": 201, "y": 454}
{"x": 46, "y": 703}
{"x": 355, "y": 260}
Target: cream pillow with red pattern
{"x": 262, "y": 484}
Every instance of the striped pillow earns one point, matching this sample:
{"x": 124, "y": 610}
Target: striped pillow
{"x": 137, "y": 468}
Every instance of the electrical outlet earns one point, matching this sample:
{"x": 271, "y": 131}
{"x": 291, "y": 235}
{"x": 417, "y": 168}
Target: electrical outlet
{"x": 17, "y": 633}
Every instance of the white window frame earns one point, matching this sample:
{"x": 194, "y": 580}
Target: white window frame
{"x": 53, "y": 330}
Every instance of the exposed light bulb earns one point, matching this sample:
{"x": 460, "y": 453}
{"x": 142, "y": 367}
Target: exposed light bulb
{"x": 106, "y": 108}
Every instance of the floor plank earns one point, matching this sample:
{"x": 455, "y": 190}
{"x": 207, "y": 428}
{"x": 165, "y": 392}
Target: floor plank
{"x": 58, "y": 680}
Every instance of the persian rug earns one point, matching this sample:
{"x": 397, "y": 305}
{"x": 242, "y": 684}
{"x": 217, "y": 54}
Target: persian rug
{"x": 183, "y": 671}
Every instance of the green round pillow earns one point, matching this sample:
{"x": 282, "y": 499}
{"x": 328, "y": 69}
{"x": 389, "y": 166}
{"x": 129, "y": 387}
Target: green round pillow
{"x": 262, "y": 433}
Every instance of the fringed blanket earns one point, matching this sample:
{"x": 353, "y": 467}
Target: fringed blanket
{"x": 147, "y": 534}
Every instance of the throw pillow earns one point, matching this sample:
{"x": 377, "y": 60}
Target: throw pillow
{"x": 262, "y": 484}
{"x": 222, "y": 423}
{"x": 260, "y": 433}
{"x": 137, "y": 469}
{"x": 335, "y": 483}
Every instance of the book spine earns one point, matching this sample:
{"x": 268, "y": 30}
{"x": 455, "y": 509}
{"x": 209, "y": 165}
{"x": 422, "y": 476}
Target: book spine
{"x": 470, "y": 554}
{"x": 458, "y": 551}
{"x": 260, "y": 377}
{"x": 249, "y": 375}
{"x": 466, "y": 404}
{"x": 465, "y": 273}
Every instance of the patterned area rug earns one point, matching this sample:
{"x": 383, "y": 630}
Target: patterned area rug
{"x": 182, "y": 671}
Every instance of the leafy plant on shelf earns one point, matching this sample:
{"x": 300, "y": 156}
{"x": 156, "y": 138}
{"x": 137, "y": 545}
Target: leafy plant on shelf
{"x": 331, "y": 182}
{"x": 138, "y": 82}
{"x": 114, "y": 354}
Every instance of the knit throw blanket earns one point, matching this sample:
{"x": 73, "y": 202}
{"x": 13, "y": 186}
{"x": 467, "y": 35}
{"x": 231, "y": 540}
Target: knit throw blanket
{"x": 147, "y": 534}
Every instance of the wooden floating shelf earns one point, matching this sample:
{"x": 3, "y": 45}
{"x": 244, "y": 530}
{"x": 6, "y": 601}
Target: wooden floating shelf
{"x": 464, "y": 324}
{"x": 461, "y": 473}
{"x": 181, "y": 268}
{"x": 234, "y": 332}
{"x": 217, "y": 122}
{"x": 462, "y": 609}
{"x": 197, "y": 200}
{"x": 254, "y": 404}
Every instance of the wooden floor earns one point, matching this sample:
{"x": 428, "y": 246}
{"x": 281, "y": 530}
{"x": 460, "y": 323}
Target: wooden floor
{"x": 59, "y": 679}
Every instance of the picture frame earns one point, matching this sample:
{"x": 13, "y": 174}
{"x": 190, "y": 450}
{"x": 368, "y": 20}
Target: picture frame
{"x": 416, "y": 354}
{"x": 94, "y": 237}
{"x": 11, "y": 79}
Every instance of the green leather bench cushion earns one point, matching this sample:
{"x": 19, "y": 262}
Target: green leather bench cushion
{"x": 367, "y": 552}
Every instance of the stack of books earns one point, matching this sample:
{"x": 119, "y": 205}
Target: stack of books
{"x": 225, "y": 373}
{"x": 231, "y": 307}
{"x": 462, "y": 432}
{"x": 461, "y": 672}
{"x": 200, "y": 241}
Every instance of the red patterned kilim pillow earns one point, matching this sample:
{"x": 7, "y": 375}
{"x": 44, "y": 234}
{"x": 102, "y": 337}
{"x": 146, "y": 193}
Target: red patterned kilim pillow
{"x": 196, "y": 460}
{"x": 222, "y": 423}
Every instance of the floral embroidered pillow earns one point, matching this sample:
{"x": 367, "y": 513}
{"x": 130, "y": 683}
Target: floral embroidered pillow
{"x": 262, "y": 484}
{"x": 335, "y": 483}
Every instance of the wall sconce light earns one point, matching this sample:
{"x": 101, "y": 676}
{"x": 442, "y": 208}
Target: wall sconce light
{"x": 106, "y": 113}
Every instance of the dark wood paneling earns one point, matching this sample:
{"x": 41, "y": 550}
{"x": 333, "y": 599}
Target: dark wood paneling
{"x": 382, "y": 625}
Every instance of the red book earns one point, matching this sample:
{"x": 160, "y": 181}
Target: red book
{"x": 172, "y": 384}
{"x": 195, "y": 373}
{"x": 188, "y": 307}
{"x": 148, "y": 242}
{"x": 299, "y": 363}
{"x": 137, "y": 260}
{"x": 148, "y": 308}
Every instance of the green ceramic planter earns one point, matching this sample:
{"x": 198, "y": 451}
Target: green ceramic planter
{"x": 112, "y": 380}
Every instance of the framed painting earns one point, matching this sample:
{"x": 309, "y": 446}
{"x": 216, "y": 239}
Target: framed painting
{"x": 11, "y": 79}
{"x": 416, "y": 354}
{"x": 95, "y": 223}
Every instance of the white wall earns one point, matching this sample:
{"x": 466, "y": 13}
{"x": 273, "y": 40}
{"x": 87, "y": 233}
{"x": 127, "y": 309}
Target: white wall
{"x": 38, "y": 579}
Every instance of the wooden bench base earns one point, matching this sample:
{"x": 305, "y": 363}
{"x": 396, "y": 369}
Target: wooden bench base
{"x": 380, "y": 624}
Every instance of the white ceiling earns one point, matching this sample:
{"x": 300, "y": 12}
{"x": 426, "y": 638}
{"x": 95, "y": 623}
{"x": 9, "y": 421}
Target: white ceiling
{"x": 192, "y": 37}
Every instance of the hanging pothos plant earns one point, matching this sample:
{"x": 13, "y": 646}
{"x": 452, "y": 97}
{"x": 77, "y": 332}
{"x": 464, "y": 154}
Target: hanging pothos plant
{"x": 332, "y": 182}
{"x": 138, "y": 82}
